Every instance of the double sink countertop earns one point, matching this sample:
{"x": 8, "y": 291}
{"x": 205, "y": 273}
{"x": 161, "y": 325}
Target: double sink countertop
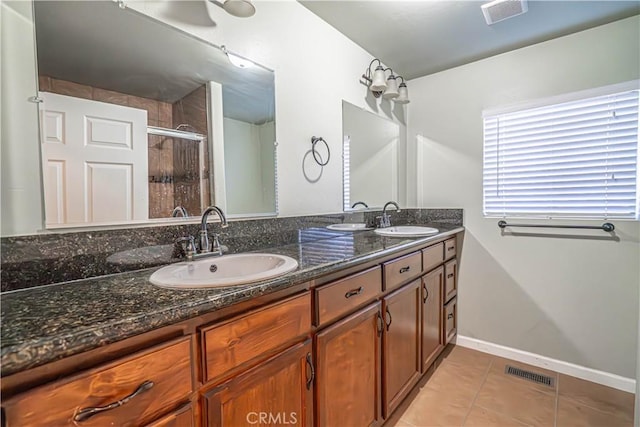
{"x": 47, "y": 323}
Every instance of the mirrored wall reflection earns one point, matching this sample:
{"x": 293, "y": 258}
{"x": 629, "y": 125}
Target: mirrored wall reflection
{"x": 371, "y": 156}
{"x": 128, "y": 121}
{"x": 250, "y": 189}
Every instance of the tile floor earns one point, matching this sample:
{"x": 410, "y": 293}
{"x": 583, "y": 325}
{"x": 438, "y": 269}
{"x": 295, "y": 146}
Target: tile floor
{"x": 469, "y": 388}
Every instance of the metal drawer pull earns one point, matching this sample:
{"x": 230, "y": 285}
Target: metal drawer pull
{"x": 390, "y": 318}
{"x": 450, "y": 316}
{"x": 405, "y": 269}
{"x": 426, "y": 291}
{"x": 312, "y": 371}
{"x": 86, "y": 413}
{"x": 354, "y": 292}
{"x": 449, "y": 276}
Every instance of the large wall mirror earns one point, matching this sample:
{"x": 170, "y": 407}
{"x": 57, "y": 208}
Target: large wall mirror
{"x": 140, "y": 121}
{"x": 371, "y": 160}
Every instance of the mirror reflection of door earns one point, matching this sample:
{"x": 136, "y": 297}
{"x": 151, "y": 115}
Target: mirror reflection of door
{"x": 94, "y": 155}
{"x": 160, "y": 147}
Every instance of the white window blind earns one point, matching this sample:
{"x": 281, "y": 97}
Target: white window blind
{"x": 346, "y": 173}
{"x": 575, "y": 159}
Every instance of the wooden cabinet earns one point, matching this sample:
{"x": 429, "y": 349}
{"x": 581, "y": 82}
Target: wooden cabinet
{"x": 449, "y": 248}
{"x": 432, "y": 339}
{"x": 130, "y": 391}
{"x": 348, "y": 370}
{"x": 230, "y": 346}
{"x": 377, "y": 331}
{"x": 401, "y": 344}
{"x": 183, "y": 417}
{"x": 450, "y": 280}
{"x": 450, "y": 320}
{"x": 343, "y": 296}
{"x": 432, "y": 256}
{"x": 276, "y": 392}
{"x": 401, "y": 270}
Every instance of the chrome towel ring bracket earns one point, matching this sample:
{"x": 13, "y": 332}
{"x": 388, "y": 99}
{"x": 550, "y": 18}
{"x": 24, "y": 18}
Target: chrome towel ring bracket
{"x": 316, "y": 156}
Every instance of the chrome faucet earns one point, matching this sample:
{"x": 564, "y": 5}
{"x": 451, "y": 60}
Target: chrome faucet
{"x": 385, "y": 220}
{"x": 359, "y": 203}
{"x": 215, "y": 248}
{"x": 179, "y": 211}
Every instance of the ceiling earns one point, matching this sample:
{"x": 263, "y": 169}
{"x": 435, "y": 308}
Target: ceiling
{"x": 120, "y": 50}
{"x": 417, "y": 38}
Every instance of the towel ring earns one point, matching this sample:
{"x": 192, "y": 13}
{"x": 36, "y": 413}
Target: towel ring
{"x": 316, "y": 156}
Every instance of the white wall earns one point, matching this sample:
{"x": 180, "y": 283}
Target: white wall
{"x": 22, "y": 211}
{"x": 571, "y": 299}
{"x": 247, "y": 148}
{"x": 266, "y": 134}
{"x": 316, "y": 67}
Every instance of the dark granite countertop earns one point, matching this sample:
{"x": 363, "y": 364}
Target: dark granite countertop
{"x": 47, "y": 323}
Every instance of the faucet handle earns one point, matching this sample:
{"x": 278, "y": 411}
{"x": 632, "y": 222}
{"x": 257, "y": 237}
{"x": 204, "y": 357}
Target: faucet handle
{"x": 383, "y": 221}
{"x": 216, "y": 247}
{"x": 185, "y": 247}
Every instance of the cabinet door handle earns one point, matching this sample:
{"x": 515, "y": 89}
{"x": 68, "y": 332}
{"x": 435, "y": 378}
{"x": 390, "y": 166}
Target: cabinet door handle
{"x": 86, "y": 413}
{"x": 449, "y": 276}
{"x": 405, "y": 269}
{"x": 450, "y": 316}
{"x": 451, "y": 248}
{"x": 354, "y": 292}
{"x": 390, "y": 318}
{"x": 380, "y": 323}
{"x": 426, "y": 292}
{"x": 312, "y": 372}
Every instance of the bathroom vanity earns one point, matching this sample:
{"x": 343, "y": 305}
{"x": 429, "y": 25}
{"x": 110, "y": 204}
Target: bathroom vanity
{"x": 341, "y": 341}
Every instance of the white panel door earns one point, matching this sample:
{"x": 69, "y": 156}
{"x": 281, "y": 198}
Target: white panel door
{"x": 94, "y": 157}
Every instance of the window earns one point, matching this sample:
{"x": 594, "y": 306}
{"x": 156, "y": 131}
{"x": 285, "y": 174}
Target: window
{"x": 575, "y": 159}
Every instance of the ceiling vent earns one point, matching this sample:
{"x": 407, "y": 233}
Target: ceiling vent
{"x": 499, "y": 10}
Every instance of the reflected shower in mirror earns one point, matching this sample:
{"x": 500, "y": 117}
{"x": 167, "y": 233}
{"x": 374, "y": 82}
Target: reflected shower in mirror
{"x": 128, "y": 124}
{"x": 371, "y": 156}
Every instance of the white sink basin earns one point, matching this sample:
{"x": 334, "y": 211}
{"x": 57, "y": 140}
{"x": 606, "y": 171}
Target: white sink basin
{"x": 406, "y": 231}
{"x": 349, "y": 227}
{"x": 227, "y": 270}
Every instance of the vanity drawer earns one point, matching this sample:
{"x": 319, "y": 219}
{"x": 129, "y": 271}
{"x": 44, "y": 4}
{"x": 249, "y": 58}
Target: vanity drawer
{"x": 450, "y": 279}
{"x": 235, "y": 343}
{"x": 163, "y": 376}
{"x": 339, "y": 298}
{"x": 432, "y": 256}
{"x": 401, "y": 270}
{"x": 183, "y": 417}
{"x": 449, "y": 248}
{"x": 450, "y": 320}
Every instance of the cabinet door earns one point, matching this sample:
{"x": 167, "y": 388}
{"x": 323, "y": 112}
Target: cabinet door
{"x": 432, "y": 339}
{"x": 450, "y": 280}
{"x": 183, "y": 417}
{"x": 129, "y": 391}
{"x": 276, "y": 392}
{"x": 401, "y": 344}
{"x": 348, "y": 370}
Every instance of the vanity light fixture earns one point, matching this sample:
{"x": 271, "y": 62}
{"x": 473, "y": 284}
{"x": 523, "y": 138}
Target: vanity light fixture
{"x": 392, "y": 87}
{"x": 387, "y": 87}
{"x": 239, "y": 8}
{"x": 236, "y": 60}
{"x": 403, "y": 93}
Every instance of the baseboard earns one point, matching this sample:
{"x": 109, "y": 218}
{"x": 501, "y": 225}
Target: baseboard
{"x": 593, "y": 375}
